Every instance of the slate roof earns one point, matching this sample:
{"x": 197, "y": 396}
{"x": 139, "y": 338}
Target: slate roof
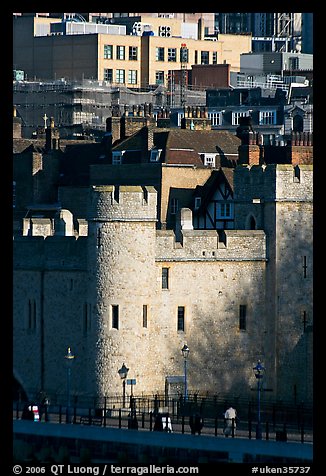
{"x": 183, "y": 146}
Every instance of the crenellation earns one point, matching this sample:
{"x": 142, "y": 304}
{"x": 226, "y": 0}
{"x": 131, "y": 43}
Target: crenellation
{"x": 117, "y": 259}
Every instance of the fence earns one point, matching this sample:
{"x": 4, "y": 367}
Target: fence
{"x": 279, "y": 420}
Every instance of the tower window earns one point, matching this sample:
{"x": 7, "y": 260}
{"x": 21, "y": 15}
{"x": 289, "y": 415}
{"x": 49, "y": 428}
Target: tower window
{"x": 145, "y": 315}
{"x": 242, "y": 317}
{"x": 165, "y": 278}
{"x": 115, "y": 317}
{"x": 31, "y": 323}
{"x": 181, "y": 318}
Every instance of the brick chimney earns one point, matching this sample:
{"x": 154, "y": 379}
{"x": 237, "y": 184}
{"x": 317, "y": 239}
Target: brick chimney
{"x": 251, "y": 148}
{"x": 300, "y": 149}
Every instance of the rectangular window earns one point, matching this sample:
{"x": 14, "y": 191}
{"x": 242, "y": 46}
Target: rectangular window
{"x": 225, "y": 210}
{"x": 108, "y": 52}
{"x": 31, "y": 323}
{"x": 108, "y": 75}
{"x": 86, "y": 318}
{"x": 204, "y": 57}
{"x": 120, "y": 52}
{"x": 196, "y": 57}
{"x": 145, "y": 315}
{"x": 115, "y": 316}
{"x": 181, "y": 318}
{"x": 159, "y": 77}
{"x": 172, "y": 54}
{"x": 305, "y": 266}
{"x": 184, "y": 55}
{"x": 267, "y": 118}
{"x": 242, "y": 317}
{"x": 214, "y": 60}
{"x": 236, "y": 116}
{"x": 197, "y": 202}
{"x": 215, "y": 118}
{"x": 133, "y": 53}
{"x": 165, "y": 278}
{"x": 159, "y": 54}
{"x": 120, "y": 76}
{"x": 132, "y": 76}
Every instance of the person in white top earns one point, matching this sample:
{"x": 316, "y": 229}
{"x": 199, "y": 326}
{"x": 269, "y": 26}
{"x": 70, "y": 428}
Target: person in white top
{"x": 229, "y": 421}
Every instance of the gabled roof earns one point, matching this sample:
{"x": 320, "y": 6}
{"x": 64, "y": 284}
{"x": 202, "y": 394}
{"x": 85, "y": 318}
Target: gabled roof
{"x": 207, "y": 191}
{"x": 182, "y": 146}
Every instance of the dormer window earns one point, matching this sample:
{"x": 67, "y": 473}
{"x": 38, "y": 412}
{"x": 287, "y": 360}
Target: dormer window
{"x": 208, "y": 159}
{"x": 197, "y": 202}
{"x": 117, "y": 157}
{"x": 155, "y": 155}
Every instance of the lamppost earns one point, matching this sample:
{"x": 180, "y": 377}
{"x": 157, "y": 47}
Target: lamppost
{"x": 259, "y": 371}
{"x": 123, "y": 372}
{"x": 69, "y": 358}
{"x": 185, "y": 352}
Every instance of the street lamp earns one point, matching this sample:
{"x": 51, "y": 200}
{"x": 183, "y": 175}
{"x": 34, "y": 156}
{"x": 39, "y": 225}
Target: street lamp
{"x": 69, "y": 358}
{"x": 185, "y": 352}
{"x": 123, "y": 372}
{"x": 259, "y": 371}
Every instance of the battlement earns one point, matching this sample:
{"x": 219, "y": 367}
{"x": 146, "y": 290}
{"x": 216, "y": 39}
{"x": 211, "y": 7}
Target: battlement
{"x": 285, "y": 182}
{"x": 210, "y": 245}
{"x": 122, "y": 203}
{"x": 52, "y": 252}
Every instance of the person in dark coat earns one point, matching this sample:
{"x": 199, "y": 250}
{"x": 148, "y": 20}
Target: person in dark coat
{"x": 196, "y": 423}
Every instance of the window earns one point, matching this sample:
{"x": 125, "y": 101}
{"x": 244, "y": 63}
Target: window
{"x": 108, "y": 75}
{"x": 242, "y": 317}
{"x": 117, "y": 157}
{"x": 145, "y": 315}
{"x": 225, "y": 210}
{"x": 267, "y": 117}
{"x": 165, "y": 278}
{"x": 120, "y": 76}
{"x": 172, "y": 54}
{"x": 196, "y": 57}
{"x": 197, "y": 202}
{"x": 132, "y": 76}
{"x": 120, "y": 52}
{"x": 155, "y": 155}
{"x": 86, "y": 318}
{"x": 204, "y": 57}
{"x": 159, "y": 54}
{"x": 133, "y": 53}
{"x": 108, "y": 52}
{"x": 159, "y": 77}
{"x": 31, "y": 317}
{"x": 184, "y": 55}
{"x": 181, "y": 318}
{"x": 208, "y": 159}
{"x": 215, "y": 118}
{"x": 115, "y": 316}
{"x": 304, "y": 266}
{"x": 174, "y": 206}
{"x": 236, "y": 116}
{"x": 214, "y": 60}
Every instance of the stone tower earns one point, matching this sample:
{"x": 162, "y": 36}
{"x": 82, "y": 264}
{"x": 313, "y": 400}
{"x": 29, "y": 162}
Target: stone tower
{"x": 279, "y": 199}
{"x": 121, "y": 270}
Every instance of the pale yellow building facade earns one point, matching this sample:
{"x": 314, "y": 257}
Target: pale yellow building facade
{"x": 134, "y": 61}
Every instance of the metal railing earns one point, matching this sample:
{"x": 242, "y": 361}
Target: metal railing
{"x": 283, "y": 421}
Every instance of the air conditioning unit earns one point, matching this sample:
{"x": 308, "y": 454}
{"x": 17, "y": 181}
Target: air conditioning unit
{"x": 164, "y": 31}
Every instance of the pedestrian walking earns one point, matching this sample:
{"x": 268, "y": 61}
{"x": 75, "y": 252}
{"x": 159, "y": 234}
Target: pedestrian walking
{"x": 230, "y": 417}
